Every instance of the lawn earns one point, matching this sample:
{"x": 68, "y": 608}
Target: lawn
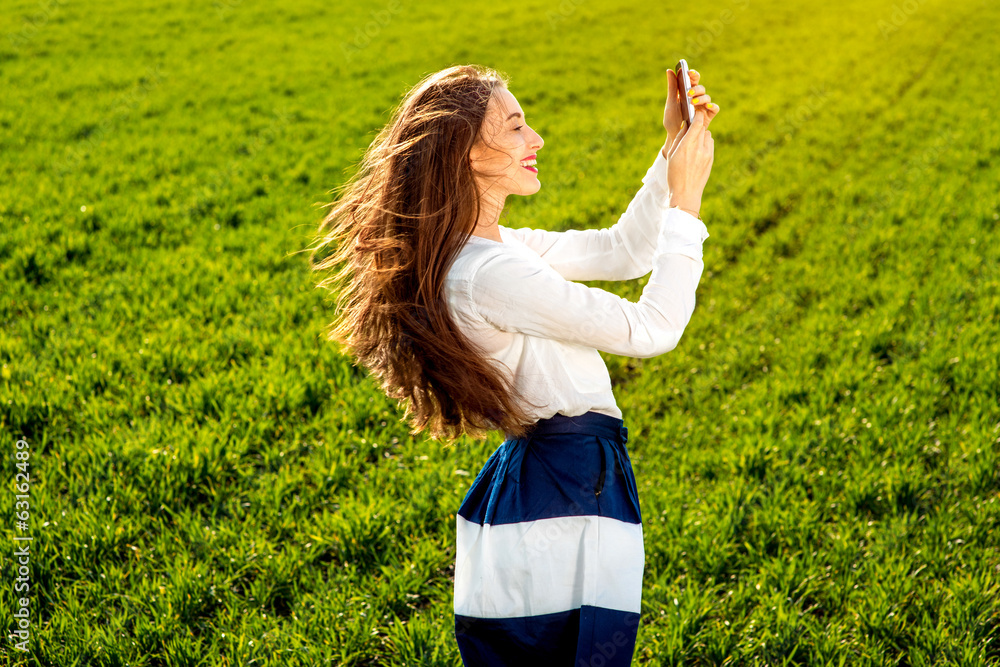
{"x": 211, "y": 483}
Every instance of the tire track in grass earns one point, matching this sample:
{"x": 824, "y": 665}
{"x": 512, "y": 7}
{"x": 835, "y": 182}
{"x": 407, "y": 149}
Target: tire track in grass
{"x": 796, "y": 314}
{"x": 787, "y": 203}
{"x": 781, "y": 209}
{"x": 770, "y": 244}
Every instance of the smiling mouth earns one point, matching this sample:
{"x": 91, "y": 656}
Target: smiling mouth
{"x": 530, "y": 165}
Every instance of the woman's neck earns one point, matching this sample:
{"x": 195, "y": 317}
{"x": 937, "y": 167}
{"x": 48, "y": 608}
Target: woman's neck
{"x": 488, "y": 223}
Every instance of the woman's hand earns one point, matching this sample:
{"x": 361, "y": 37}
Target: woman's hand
{"x": 672, "y": 110}
{"x": 689, "y": 162}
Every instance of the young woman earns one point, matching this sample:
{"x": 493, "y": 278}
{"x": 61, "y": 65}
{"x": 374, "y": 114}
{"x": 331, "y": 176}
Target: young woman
{"x": 475, "y": 326}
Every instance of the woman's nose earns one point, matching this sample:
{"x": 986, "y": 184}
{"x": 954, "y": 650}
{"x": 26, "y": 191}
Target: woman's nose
{"x": 539, "y": 142}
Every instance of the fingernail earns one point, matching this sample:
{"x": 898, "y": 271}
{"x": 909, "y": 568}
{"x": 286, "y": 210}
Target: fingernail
{"x": 691, "y": 92}
{"x": 694, "y": 100}
{"x": 713, "y": 106}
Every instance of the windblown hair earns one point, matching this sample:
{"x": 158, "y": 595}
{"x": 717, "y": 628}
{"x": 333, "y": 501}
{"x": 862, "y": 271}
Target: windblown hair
{"x": 396, "y": 228}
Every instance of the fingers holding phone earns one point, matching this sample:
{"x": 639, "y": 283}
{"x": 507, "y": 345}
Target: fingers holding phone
{"x": 685, "y": 94}
{"x": 694, "y": 93}
{"x": 690, "y": 159}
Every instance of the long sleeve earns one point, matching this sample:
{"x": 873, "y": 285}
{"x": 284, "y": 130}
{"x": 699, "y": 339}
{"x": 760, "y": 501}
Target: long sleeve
{"x": 623, "y": 251}
{"x": 516, "y": 292}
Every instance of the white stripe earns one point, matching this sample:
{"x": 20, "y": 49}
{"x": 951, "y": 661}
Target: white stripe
{"x": 547, "y": 566}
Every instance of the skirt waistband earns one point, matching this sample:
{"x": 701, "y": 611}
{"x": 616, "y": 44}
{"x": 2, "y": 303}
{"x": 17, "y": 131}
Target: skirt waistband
{"x": 590, "y": 423}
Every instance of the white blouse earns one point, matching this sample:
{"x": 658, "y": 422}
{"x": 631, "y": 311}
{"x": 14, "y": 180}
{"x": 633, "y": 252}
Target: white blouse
{"x": 517, "y": 300}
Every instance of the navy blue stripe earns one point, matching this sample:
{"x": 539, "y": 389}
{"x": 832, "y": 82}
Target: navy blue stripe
{"x": 567, "y": 466}
{"x": 590, "y": 422}
{"x": 585, "y": 637}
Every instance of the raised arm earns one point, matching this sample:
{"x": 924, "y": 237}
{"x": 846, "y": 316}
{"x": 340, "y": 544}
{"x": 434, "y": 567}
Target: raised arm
{"x": 621, "y": 252}
{"x": 518, "y": 293}
{"x": 626, "y": 250}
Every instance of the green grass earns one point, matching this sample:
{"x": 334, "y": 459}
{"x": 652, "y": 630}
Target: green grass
{"x": 818, "y": 461}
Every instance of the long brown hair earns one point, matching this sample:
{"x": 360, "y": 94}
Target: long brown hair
{"x": 396, "y": 228}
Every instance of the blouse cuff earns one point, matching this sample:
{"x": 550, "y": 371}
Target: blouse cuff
{"x": 656, "y": 176}
{"x": 682, "y": 233}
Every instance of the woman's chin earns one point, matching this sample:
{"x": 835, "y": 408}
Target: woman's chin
{"x": 532, "y": 187}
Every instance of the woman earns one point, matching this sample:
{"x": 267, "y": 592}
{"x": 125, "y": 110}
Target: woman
{"x": 476, "y": 326}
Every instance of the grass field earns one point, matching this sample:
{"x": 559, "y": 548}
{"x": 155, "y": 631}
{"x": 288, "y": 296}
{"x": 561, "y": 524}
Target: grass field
{"x": 212, "y": 484}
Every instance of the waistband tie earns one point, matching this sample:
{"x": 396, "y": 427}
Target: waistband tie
{"x": 590, "y": 423}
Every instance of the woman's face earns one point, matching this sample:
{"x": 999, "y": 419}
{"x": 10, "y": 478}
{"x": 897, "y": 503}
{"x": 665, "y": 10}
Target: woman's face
{"x": 504, "y": 155}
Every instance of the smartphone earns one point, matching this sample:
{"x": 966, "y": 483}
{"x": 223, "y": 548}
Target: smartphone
{"x": 684, "y": 84}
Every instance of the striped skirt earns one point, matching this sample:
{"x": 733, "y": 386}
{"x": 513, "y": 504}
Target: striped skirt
{"x": 548, "y": 569}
